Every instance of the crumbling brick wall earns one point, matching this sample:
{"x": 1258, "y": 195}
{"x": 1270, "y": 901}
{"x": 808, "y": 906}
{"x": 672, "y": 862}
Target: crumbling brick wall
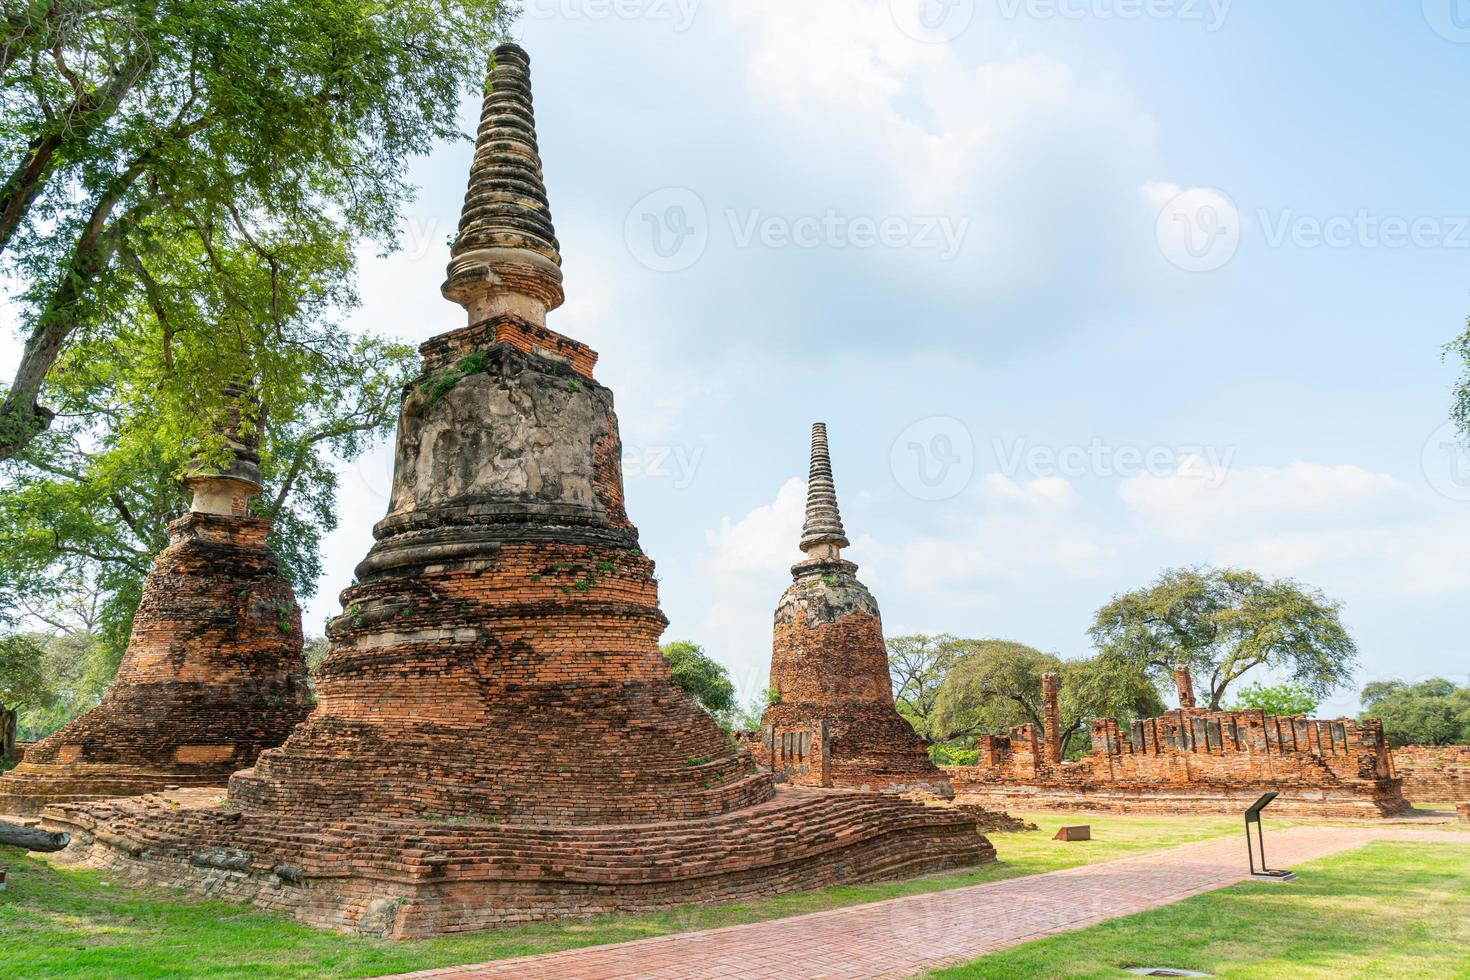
{"x": 1184, "y": 758}
{"x": 1434, "y": 773}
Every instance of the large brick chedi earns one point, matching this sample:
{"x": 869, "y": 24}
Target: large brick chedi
{"x": 213, "y": 672}
{"x": 832, "y": 721}
{"x": 497, "y": 737}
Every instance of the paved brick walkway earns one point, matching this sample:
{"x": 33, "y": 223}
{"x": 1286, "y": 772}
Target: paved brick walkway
{"x": 905, "y": 936}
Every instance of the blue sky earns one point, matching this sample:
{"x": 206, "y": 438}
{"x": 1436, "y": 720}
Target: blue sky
{"x": 1083, "y": 288}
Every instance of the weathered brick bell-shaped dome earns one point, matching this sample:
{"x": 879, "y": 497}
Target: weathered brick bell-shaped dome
{"x": 213, "y": 673}
{"x": 499, "y": 656}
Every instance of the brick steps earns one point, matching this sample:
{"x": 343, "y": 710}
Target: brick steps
{"x": 445, "y": 876}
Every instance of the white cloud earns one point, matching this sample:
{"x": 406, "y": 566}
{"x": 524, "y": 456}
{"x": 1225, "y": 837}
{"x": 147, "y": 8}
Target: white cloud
{"x": 1345, "y": 524}
{"x": 1044, "y": 163}
{"x": 1200, "y": 500}
{"x": 1044, "y": 493}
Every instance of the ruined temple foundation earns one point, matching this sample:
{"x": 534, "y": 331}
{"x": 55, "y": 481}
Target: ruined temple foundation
{"x": 213, "y": 674}
{"x": 1434, "y": 773}
{"x": 1193, "y": 760}
{"x": 832, "y": 720}
{"x": 497, "y": 738}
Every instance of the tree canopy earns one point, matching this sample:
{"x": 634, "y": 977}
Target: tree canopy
{"x": 1223, "y": 623}
{"x": 150, "y": 147}
{"x": 997, "y": 685}
{"x": 1276, "y": 699}
{"x": 918, "y": 665}
{"x": 1431, "y": 712}
{"x": 23, "y": 683}
{"x": 702, "y": 677}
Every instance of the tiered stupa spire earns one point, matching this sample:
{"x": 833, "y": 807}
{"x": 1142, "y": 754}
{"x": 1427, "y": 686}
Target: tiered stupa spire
{"x": 822, "y": 536}
{"x": 227, "y": 490}
{"x": 506, "y": 257}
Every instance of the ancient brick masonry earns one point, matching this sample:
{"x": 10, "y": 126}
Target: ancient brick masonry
{"x": 213, "y": 673}
{"x": 1434, "y": 773}
{"x": 1194, "y": 760}
{"x": 833, "y": 722}
{"x": 497, "y": 737}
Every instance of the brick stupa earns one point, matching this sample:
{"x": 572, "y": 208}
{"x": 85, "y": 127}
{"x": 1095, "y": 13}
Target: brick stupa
{"x": 497, "y": 738}
{"x": 213, "y": 673}
{"x": 832, "y": 721}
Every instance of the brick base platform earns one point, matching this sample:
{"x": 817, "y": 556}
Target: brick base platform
{"x": 407, "y": 879}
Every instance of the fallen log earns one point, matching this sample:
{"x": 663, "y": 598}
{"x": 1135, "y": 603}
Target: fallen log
{"x": 32, "y": 838}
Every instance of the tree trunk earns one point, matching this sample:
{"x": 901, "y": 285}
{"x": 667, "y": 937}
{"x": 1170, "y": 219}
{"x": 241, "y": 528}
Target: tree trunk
{"x": 32, "y": 838}
{"x": 7, "y": 734}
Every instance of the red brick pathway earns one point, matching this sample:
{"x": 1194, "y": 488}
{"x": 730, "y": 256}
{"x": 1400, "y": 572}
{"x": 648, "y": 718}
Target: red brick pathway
{"x": 905, "y": 936}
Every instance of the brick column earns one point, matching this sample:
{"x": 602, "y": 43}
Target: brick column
{"x": 1185, "y": 683}
{"x": 1051, "y": 717}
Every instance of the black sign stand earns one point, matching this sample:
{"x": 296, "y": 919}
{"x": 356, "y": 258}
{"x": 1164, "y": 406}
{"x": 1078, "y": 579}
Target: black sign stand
{"x": 1253, "y": 816}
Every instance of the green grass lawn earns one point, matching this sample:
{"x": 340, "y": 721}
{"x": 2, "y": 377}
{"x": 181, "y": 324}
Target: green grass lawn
{"x": 1386, "y": 910}
{"x": 56, "y": 922}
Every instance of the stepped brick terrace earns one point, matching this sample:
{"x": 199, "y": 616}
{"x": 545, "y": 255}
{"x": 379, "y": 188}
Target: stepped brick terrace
{"x": 498, "y": 738}
{"x": 1193, "y": 760}
{"x": 833, "y": 722}
{"x": 213, "y": 673}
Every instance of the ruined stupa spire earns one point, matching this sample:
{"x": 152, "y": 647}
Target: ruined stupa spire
{"x": 822, "y": 536}
{"x": 227, "y": 490}
{"x": 506, "y": 258}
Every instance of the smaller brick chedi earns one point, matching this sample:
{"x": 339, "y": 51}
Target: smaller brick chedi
{"x": 213, "y": 673}
{"x": 832, "y": 721}
{"x": 497, "y": 738}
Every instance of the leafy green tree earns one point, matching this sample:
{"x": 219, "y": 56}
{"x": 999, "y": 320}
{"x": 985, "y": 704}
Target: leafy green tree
{"x": 90, "y": 499}
{"x": 998, "y": 686}
{"x": 1223, "y": 623}
{"x": 918, "y": 665}
{"x": 23, "y": 684}
{"x": 749, "y": 716}
{"x": 1459, "y": 349}
{"x": 1277, "y": 699}
{"x": 701, "y": 677}
{"x": 135, "y": 134}
{"x": 1432, "y": 712}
